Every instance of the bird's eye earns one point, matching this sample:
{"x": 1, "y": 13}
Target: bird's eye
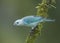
{"x": 17, "y": 22}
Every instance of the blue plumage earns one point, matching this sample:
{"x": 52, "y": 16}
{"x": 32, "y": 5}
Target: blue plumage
{"x": 31, "y": 21}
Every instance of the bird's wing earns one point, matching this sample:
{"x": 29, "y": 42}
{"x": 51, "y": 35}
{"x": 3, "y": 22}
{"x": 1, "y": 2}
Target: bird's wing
{"x": 31, "y": 19}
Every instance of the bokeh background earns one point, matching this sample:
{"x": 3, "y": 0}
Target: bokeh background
{"x": 10, "y": 10}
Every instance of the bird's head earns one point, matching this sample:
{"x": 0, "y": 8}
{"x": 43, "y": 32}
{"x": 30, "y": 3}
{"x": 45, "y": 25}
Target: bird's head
{"x": 18, "y": 22}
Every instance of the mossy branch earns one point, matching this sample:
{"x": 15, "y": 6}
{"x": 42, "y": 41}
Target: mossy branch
{"x": 42, "y": 10}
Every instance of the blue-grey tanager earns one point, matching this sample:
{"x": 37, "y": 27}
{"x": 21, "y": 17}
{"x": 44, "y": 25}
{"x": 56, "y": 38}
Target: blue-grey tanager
{"x": 31, "y": 21}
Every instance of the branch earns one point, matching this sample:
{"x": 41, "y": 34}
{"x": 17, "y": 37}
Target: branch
{"x": 42, "y": 10}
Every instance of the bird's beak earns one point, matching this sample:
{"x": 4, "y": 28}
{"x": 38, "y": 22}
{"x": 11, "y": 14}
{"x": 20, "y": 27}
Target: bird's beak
{"x": 14, "y": 23}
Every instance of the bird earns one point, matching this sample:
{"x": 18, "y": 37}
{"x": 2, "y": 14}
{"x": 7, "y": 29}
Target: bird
{"x": 31, "y": 21}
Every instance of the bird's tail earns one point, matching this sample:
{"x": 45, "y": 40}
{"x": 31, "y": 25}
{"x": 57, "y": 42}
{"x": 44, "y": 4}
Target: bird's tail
{"x": 49, "y": 20}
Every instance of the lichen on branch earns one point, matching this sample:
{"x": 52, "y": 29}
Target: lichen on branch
{"x": 42, "y": 10}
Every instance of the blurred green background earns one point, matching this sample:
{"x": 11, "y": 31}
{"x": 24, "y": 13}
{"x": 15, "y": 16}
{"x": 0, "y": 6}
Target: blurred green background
{"x": 10, "y": 10}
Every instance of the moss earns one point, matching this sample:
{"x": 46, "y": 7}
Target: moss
{"x": 42, "y": 10}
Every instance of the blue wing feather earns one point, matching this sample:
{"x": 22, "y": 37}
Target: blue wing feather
{"x": 31, "y": 19}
